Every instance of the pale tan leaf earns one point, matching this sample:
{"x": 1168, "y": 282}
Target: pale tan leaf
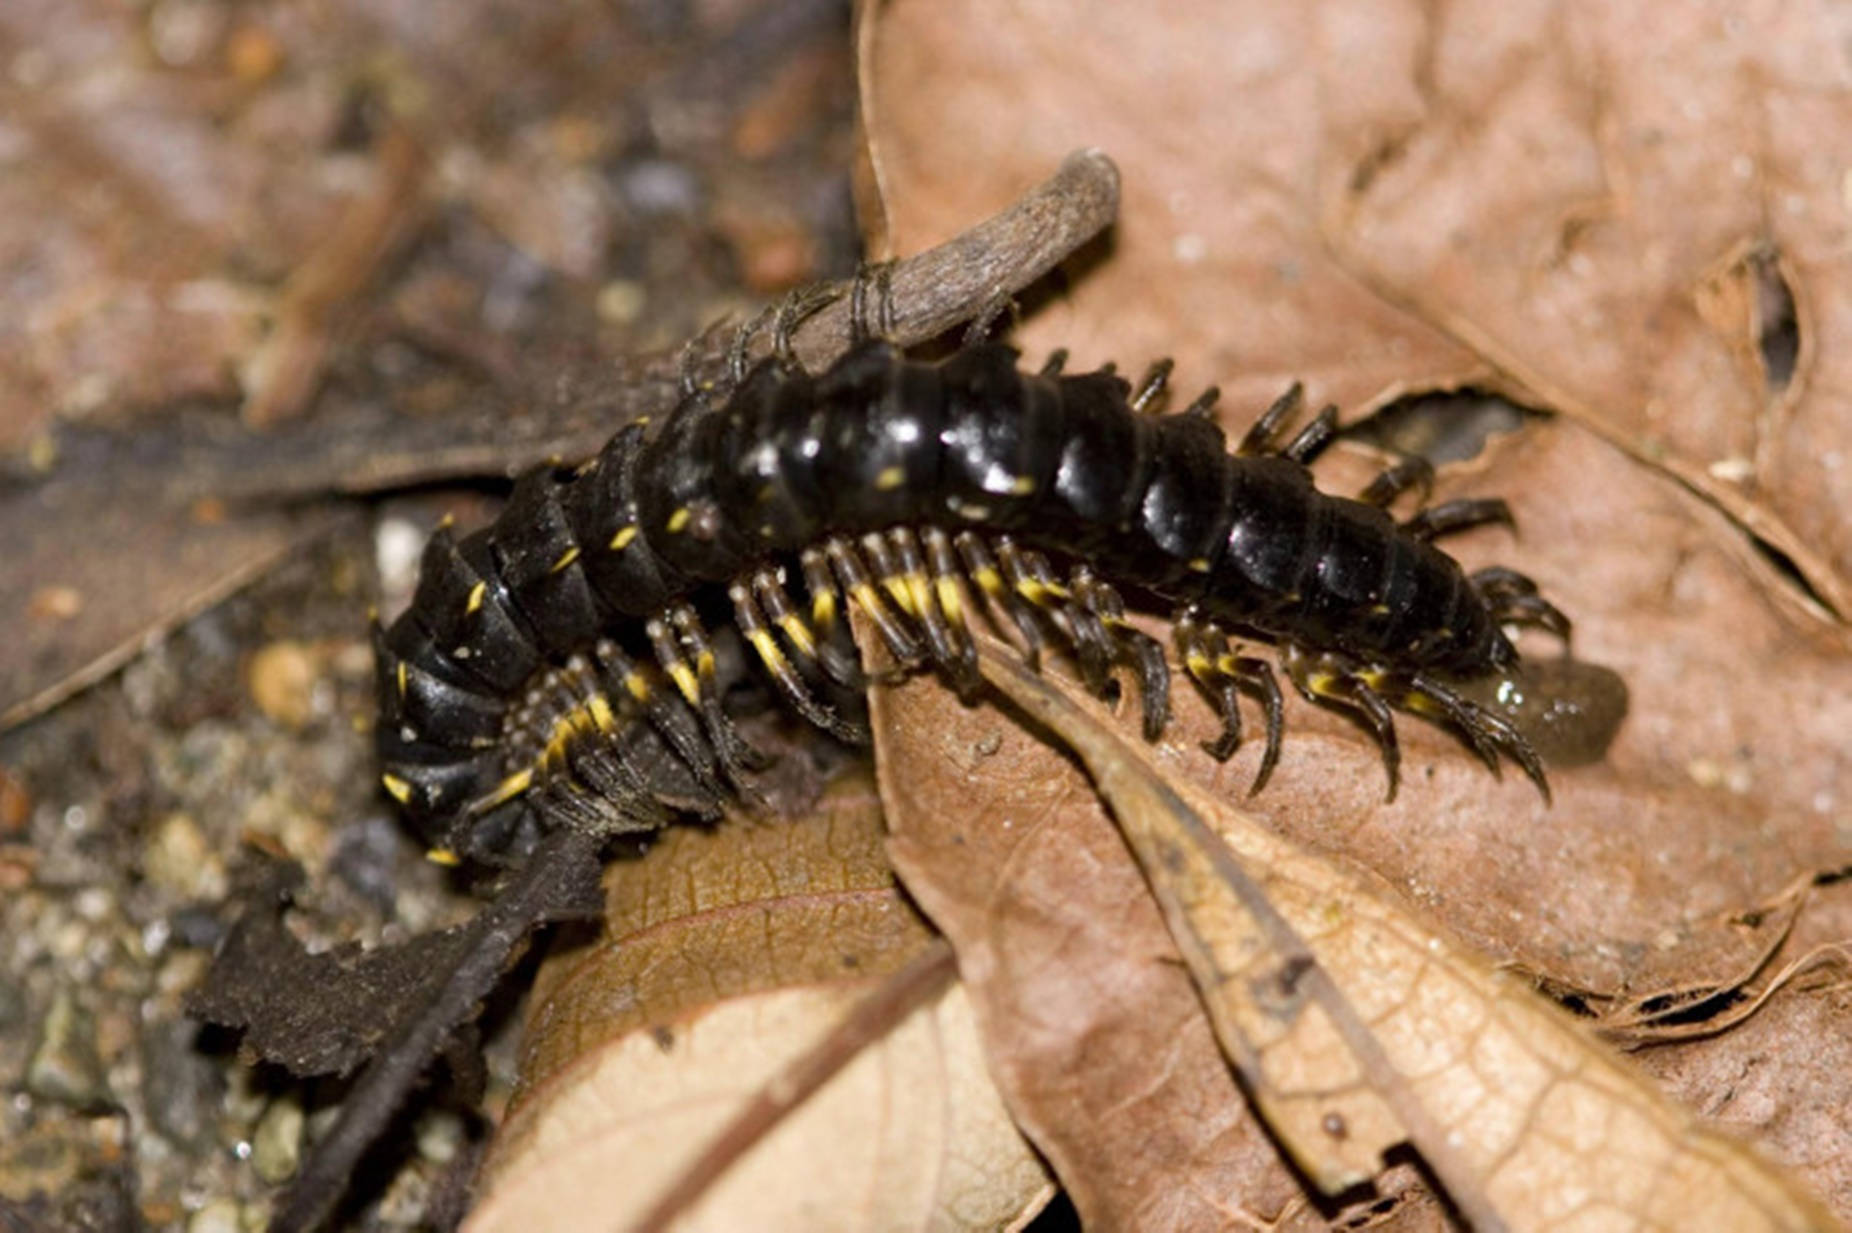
{"x": 1094, "y": 1032}
{"x": 727, "y": 955}
{"x": 1358, "y": 1028}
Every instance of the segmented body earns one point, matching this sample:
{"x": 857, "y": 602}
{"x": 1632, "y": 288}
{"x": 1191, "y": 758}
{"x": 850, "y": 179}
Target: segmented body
{"x": 551, "y": 665}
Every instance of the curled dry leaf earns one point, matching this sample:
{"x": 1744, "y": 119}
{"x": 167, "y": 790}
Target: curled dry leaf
{"x": 1630, "y": 880}
{"x": 1597, "y": 209}
{"x": 1357, "y": 1028}
{"x": 725, "y": 955}
{"x": 1243, "y": 133}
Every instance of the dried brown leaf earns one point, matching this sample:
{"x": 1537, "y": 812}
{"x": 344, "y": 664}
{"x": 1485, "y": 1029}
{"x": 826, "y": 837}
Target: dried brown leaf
{"x": 1357, "y": 1028}
{"x": 1257, "y": 143}
{"x": 77, "y": 611}
{"x": 725, "y": 955}
{"x": 1630, "y": 880}
{"x": 1591, "y": 208}
{"x": 1093, "y": 1030}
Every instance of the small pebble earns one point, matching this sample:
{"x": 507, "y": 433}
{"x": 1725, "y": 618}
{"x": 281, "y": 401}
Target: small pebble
{"x": 365, "y": 858}
{"x": 198, "y": 927}
{"x": 65, "y": 1067}
{"x": 276, "y": 1144}
{"x": 654, "y": 187}
{"x": 439, "y": 1136}
{"x": 180, "y": 1085}
{"x": 252, "y": 54}
{"x": 180, "y": 860}
{"x": 622, "y": 301}
{"x": 397, "y": 545}
{"x": 15, "y": 805}
{"x": 182, "y": 33}
{"x": 218, "y": 1216}
{"x": 406, "y": 1199}
{"x": 283, "y": 679}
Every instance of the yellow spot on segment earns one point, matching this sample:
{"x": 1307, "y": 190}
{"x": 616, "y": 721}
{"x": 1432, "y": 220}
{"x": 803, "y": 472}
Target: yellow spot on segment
{"x": 601, "y": 714}
{"x": 401, "y": 675}
{"x": 890, "y": 479}
{"x": 1022, "y": 486}
{"x": 1200, "y": 665}
{"x": 678, "y": 521}
{"x": 704, "y": 665}
{"x": 989, "y": 581}
{"x": 475, "y": 597}
{"x": 622, "y": 539}
{"x": 444, "y": 857}
{"x": 1379, "y": 609}
{"x": 1200, "y": 564}
{"x": 823, "y": 609}
{"x": 1322, "y": 683}
{"x": 638, "y": 686}
{"x": 397, "y": 788}
{"x": 799, "y": 634}
{"x": 685, "y": 681}
{"x": 566, "y": 558}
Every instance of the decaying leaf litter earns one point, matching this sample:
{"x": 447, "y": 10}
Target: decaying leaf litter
{"x": 1257, "y": 185}
{"x": 1710, "y": 767}
{"x": 1356, "y": 1030}
{"x": 463, "y": 231}
{"x": 150, "y": 225}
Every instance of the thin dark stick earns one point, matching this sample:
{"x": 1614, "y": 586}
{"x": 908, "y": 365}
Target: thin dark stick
{"x": 505, "y": 926}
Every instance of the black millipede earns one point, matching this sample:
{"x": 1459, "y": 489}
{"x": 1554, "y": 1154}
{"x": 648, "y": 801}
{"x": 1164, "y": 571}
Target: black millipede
{"x": 552, "y": 666}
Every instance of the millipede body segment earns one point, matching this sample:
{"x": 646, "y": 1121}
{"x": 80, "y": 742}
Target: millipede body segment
{"x": 554, "y": 665}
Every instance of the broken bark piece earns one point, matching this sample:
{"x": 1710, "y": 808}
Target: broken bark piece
{"x": 392, "y": 1010}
